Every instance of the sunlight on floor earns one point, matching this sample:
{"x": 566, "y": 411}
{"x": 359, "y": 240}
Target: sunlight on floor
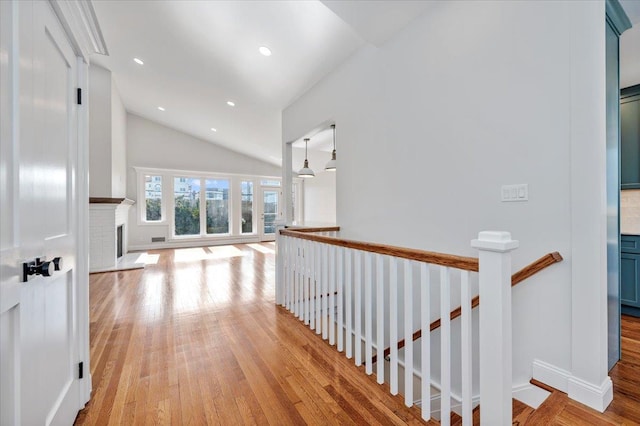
{"x": 190, "y": 254}
{"x": 224, "y": 252}
{"x": 261, "y": 248}
{"x": 205, "y": 253}
{"x": 148, "y": 259}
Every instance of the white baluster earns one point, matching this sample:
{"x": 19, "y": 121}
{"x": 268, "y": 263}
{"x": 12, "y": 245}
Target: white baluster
{"x": 393, "y": 324}
{"x": 279, "y": 267}
{"x": 347, "y": 293}
{"x": 325, "y": 291}
{"x": 312, "y": 284}
{"x": 340, "y": 285}
{"x": 285, "y": 272}
{"x": 357, "y": 264}
{"x": 425, "y": 341}
{"x": 300, "y": 269}
{"x": 368, "y": 308}
{"x": 318, "y": 260}
{"x": 294, "y": 267}
{"x": 408, "y": 333}
{"x": 291, "y": 272}
{"x": 305, "y": 252}
{"x": 445, "y": 346}
{"x": 380, "y": 318}
{"x": 300, "y": 281}
{"x": 465, "y": 325}
{"x": 332, "y": 290}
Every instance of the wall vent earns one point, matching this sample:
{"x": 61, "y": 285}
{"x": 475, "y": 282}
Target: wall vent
{"x": 157, "y": 239}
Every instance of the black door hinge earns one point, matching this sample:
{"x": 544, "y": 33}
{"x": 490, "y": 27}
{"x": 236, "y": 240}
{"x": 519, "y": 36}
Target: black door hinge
{"x": 81, "y": 370}
{"x": 79, "y": 96}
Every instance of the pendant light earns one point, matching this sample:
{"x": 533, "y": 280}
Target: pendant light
{"x": 306, "y": 172}
{"x": 331, "y": 165}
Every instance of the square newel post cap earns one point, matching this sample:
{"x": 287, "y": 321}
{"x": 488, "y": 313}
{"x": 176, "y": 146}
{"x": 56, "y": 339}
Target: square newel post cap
{"x": 498, "y": 241}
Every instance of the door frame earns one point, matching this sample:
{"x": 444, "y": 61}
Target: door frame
{"x": 81, "y": 26}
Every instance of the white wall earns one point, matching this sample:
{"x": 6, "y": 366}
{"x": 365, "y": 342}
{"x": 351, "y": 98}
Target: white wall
{"x": 118, "y": 144}
{"x": 319, "y": 193}
{"x": 99, "y": 132}
{"x": 471, "y": 96}
{"x": 107, "y": 136}
{"x": 153, "y": 145}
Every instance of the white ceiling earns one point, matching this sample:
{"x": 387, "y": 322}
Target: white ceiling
{"x": 200, "y": 54}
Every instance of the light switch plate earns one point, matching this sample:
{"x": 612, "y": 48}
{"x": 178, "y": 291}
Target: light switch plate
{"x": 519, "y": 192}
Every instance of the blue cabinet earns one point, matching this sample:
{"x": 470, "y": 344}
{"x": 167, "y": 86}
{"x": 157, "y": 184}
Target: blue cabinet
{"x": 630, "y": 275}
{"x": 630, "y": 137}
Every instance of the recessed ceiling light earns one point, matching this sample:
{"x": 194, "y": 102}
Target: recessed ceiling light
{"x": 265, "y": 50}
{"x": 138, "y": 61}
{"x": 213, "y": 129}
{"x": 161, "y": 108}
{"x": 231, "y": 103}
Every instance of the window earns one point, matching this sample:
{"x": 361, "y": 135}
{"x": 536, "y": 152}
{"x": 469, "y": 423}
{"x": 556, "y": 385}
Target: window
{"x": 269, "y": 182}
{"x": 246, "y": 191}
{"x": 217, "y": 199}
{"x": 153, "y": 198}
{"x": 186, "y": 206}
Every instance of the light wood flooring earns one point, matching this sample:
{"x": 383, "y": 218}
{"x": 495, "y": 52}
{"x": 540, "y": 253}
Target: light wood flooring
{"x": 196, "y": 339}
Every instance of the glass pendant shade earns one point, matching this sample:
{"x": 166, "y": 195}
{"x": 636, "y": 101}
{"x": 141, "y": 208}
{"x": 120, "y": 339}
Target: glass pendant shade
{"x": 305, "y": 171}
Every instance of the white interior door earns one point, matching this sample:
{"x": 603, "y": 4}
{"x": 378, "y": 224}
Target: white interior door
{"x": 270, "y": 211}
{"x": 39, "y": 381}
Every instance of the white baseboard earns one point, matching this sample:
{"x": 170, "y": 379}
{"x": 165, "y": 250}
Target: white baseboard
{"x": 194, "y": 243}
{"x": 530, "y": 395}
{"x": 551, "y": 375}
{"x": 456, "y": 406}
{"x": 597, "y": 397}
{"x": 594, "y": 396}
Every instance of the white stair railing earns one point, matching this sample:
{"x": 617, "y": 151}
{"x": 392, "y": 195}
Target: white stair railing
{"x": 330, "y": 284}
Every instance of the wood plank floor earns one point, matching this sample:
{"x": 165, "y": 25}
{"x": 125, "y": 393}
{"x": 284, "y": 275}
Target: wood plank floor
{"x": 558, "y": 409}
{"x": 196, "y": 339}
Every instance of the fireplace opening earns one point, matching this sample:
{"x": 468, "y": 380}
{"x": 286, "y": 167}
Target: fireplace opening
{"x": 119, "y": 242}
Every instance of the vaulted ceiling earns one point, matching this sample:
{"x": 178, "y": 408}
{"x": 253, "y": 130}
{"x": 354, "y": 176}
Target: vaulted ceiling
{"x": 199, "y": 55}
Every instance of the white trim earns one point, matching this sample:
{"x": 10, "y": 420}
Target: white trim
{"x": 81, "y": 26}
{"x": 527, "y": 393}
{"x": 142, "y": 206}
{"x": 551, "y": 375}
{"x": 456, "y": 405}
{"x": 82, "y": 235}
{"x": 594, "y": 396}
{"x": 597, "y": 397}
{"x": 197, "y": 242}
{"x": 153, "y": 170}
{"x": 530, "y": 395}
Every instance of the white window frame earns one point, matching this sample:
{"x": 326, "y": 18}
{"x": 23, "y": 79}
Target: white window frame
{"x": 168, "y": 202}
{"x": 142, "y": 204}
{"x": 254, "y": 212}
{"x": 203, "y": 204}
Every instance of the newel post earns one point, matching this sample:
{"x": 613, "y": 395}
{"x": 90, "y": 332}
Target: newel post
{"x": 495, "y": 326}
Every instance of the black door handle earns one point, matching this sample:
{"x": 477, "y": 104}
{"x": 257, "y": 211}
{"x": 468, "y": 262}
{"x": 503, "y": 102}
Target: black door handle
{"x": 40, "y": 267}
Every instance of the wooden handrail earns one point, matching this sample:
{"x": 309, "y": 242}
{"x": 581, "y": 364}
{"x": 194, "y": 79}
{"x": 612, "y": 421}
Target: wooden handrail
{"x": 316, "y": 229}
{"x": 524, "y": 273}
{"x": 459, "y": 262}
